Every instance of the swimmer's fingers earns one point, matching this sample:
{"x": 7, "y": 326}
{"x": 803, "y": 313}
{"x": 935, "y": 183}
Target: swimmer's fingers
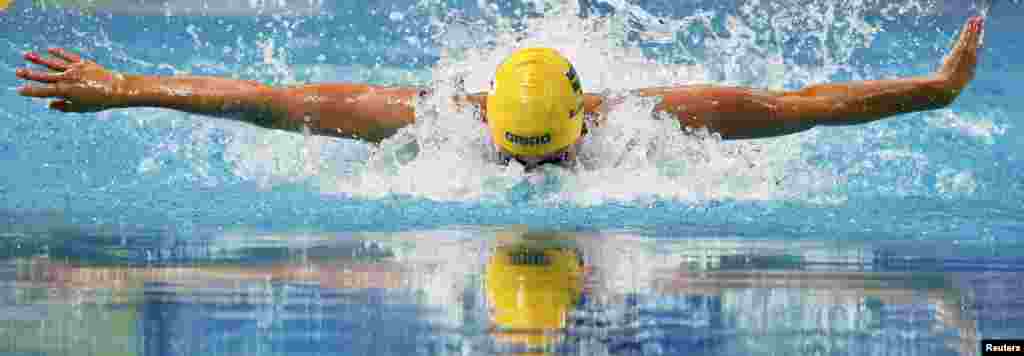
{"x": 40, "y": 91}
{"x": 970, "y": 35}
{"x": 70, "y": 106}
{"x": 38, "y": 76}
{"x": 61, "y": 105}
{"x": 959, "y": 65}
{"x": 54, "y": 91}
{"x": 54, "y": 64}
{"x": 976, "y": 24}
{"x": 66, "y": 55}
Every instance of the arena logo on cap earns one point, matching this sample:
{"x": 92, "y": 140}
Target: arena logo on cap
{"x": 528, "y": 140}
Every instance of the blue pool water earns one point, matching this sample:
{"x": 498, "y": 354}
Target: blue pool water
{"x": 179, "y": 234}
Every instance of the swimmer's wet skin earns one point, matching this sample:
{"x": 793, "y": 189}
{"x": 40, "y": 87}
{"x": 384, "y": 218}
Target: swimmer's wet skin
{"x": 534, "y": 111}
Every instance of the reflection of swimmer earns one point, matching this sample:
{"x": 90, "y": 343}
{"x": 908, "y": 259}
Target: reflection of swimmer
{"x": 542, "y": 296}
{"x": 531, "y": 289}
{"x": 535, "y": 108}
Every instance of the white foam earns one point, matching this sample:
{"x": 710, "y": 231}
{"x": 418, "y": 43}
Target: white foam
{"x": 979, "y": 126}
{"x": 952, "y": 183}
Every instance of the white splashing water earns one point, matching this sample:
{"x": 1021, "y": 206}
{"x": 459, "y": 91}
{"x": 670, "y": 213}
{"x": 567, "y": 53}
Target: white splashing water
{"x": 636, "y": 156}
{"x": 981, "y": 127}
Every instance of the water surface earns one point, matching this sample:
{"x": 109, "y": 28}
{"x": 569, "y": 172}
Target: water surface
{"x": 488, "y": 290}
{"x": 147, "y": 231}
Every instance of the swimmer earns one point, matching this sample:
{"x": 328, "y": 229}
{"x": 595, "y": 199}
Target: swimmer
{"x": 535, "y": 109}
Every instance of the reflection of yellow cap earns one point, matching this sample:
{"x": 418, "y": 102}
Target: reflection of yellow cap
{"x": 4, "y": 4}
{"x": 532, "y": 291}
{"x": 536, "y": 103}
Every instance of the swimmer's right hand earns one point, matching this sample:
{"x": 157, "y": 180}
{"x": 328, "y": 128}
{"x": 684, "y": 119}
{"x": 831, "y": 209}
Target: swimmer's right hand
{"x": 78, "y": 85}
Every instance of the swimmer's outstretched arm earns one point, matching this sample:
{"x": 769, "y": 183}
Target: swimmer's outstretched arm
{"x": 738, "y": 113}
{"x": 373, "y": 113}
{"x": 361, "y": 111}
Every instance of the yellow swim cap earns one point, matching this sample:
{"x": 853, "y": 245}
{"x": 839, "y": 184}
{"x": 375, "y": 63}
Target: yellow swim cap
{"x": 535, "y": 105}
